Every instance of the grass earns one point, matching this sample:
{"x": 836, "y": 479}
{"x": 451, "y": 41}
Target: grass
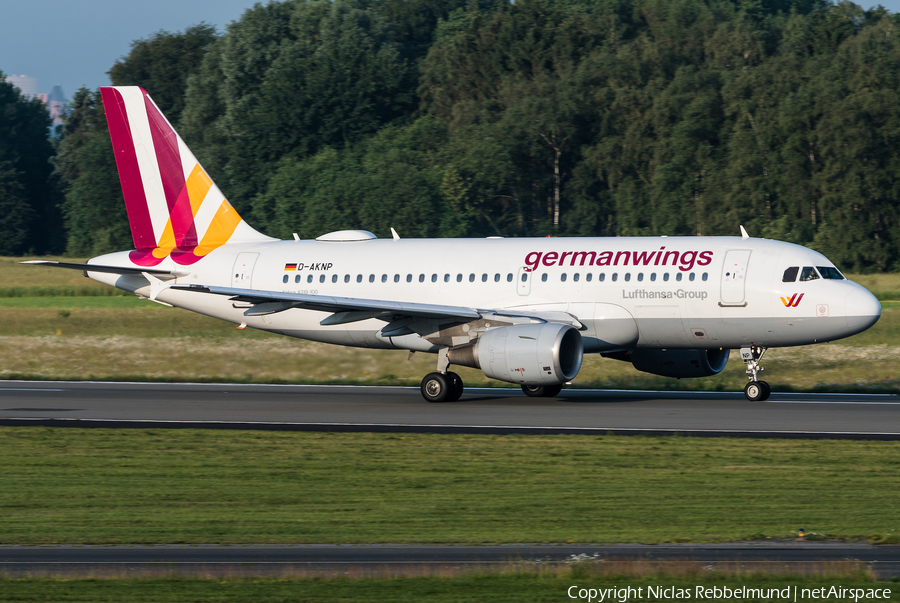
{"x": 95, "y": 336}
{"x": 537, "y": 584}
{"x": 192, "y": 486}
{"x": 513, "y": 587}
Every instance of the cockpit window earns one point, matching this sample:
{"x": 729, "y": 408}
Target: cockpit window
{"x": 830, "y": 272}
{"x": 790, "y": 275}
{"x": 809, "y": 274}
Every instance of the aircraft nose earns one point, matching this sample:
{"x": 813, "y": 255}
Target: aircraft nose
{"x": 863, "y": 309}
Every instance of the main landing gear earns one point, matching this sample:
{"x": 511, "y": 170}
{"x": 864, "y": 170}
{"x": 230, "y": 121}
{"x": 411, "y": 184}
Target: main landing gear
{"x": 442, "y": 387}
{"x": 542, "y": 391}
{"x": 756, "y": 390}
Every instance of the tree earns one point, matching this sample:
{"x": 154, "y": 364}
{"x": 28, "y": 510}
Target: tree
{"x": 28, "y": 197}
{"x": 94, "y": 208}
{"x": 161, "y": 65}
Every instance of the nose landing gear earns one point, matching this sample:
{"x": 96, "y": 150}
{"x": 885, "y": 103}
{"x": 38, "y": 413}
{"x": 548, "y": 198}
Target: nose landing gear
{"x": 756, "y": 390}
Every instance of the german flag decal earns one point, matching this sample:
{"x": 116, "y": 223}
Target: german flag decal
{"x": 290, "y": 266}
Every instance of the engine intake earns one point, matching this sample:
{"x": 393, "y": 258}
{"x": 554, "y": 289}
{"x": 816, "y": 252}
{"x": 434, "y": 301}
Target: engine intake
{"x": 540, "y": 354}
{"x": 680, "y": 363}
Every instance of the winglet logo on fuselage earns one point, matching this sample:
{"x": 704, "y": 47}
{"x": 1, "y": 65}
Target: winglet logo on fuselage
{"x": 793, "y": 301}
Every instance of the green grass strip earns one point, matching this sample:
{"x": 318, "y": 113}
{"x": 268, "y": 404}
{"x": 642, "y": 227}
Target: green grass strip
{"x": 193, "y": 486}
{"x": 515, "y": 588}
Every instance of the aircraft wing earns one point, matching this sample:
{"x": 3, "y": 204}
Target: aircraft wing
{"x": 344, "y": 309}
{"x": 348, "y": 309}
{"x": 107, "y": 269}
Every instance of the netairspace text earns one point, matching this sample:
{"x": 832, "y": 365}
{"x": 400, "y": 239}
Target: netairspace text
{"x": 724, "y": 593}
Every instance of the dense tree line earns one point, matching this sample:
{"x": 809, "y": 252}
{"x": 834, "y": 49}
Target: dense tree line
{"x": 563, "y": 117}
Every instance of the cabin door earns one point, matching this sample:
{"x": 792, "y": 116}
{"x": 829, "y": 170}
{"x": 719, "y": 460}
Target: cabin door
{"x": 243, "y": 270}
{"x": 734, "y": 277}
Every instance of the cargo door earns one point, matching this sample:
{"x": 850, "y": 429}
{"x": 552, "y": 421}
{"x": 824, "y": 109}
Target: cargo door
{"x": 734, "y": 277}
{"x": 243, "y": 270}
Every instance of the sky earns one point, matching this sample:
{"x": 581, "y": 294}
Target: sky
{"x": 73, "y": 43}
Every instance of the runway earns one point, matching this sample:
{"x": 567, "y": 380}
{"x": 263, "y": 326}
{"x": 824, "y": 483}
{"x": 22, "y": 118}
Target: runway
{"x": 480, "y": 410}
{"x": 393, "y": 559}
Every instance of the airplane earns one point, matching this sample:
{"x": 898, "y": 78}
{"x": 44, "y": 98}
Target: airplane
{"x": 522, "y": 310}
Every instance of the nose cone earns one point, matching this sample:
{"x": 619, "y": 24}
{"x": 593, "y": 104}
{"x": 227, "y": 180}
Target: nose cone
{"x": 863, "y": 310}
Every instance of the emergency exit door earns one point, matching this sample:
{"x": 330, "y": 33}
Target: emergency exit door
{"x": 734, "y": 277}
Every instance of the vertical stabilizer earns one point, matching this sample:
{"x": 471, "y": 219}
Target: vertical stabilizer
{"x": 174, "y": 207}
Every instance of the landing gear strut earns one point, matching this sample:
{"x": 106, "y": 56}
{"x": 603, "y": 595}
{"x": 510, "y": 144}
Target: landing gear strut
{"x": 756, "y": 390}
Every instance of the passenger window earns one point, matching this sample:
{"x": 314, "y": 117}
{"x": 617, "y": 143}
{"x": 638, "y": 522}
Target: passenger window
{"x": 615, "y": 276}
{"x": 433, "y": 278}
{"x": 705, "y": 276}
{"x": 471, "y": 277}
{"x": 484, "y": 278}
{"x": 358, "y": 278}
{"x": 678, "y": 277}
{"x": 588, "y": 277}
{"x": 396, "y": 278}
{"x": 562, "y": 277}
{"x": 627, "y": 276}
{"x": 383, "y": 278}
{"x": 575, "y": 277}
{"x": 497, "y": 278}
{"x": 524, "y": 276}
{"x": 285, "y": 279}
{"x": 408, "y": 278}
{"x": 691, "y": 276}
{"x": 371, "y": 278}
{"x": 640, "y": 276}
{"x": 334, "y": 278}
{"x": 809, "y": 274}
{"x": 652, "y": 276}
{"x": 421, "y": 278}
{"x": 322, "y": 278}
{"x": 666, "y": 276}
{"x": 544, "y": 278}
{"x": 446, "y": 278}
{"x": 509, "y": 277}
{"x": 830, "y": 272}
{"x": 790, "y": 275}
{"x": 297, "y": 279}
{"x": 602, "y": 277}
{"x": 347, "y": 278}
{"x": 458, "y": 278}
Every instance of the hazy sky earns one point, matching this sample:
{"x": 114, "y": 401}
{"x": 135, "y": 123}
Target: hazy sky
{"x": 73, "y": 43}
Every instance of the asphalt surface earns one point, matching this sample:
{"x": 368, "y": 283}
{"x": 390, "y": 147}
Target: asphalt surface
{"x": 398, "y": 559}
{"x": 480, "y": 410}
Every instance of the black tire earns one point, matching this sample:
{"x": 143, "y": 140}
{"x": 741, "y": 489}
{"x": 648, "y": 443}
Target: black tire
{"x": 457, "y": 387}
{"x": 755, "y": 391}
{"x": 767, "y": 388}
{"x": 542, "y": 391}
{"x": 436, "y": 387}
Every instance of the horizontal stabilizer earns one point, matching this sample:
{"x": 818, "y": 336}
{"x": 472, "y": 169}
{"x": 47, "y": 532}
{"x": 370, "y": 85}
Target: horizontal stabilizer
{"x": 108, "y": 269}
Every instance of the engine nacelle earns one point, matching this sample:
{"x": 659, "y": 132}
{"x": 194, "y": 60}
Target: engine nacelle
{"x": 680, "y": 363}
{"x": 541, "y": 354}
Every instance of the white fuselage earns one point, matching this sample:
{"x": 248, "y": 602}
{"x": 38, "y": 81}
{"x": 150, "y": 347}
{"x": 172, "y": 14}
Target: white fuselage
{"x": 667, "y": 292}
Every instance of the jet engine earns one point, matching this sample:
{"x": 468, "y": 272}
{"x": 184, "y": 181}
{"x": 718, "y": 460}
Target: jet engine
{"x": 540, "y": 354}
{"x": 680, "y": 363}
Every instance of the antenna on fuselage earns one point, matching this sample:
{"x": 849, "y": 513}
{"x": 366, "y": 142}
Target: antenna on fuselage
{"x": 744, "y": 234}
{"x": 395, "y": 235}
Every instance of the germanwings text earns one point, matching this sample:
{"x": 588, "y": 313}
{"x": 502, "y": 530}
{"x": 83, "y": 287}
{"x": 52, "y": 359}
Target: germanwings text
{"x": 684, "y": 260}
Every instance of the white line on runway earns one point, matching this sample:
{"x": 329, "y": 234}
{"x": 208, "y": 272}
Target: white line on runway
{"x": 29, "y": 389}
